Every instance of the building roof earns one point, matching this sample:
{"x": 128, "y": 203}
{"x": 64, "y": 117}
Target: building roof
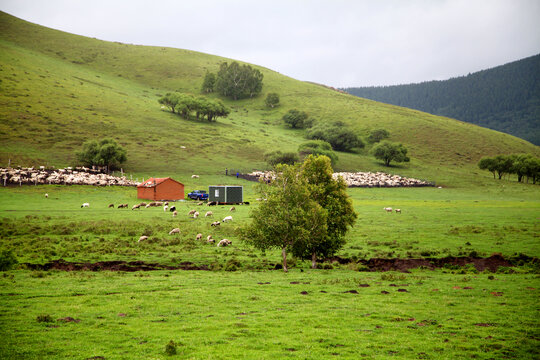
{"x": 151, "y": 182}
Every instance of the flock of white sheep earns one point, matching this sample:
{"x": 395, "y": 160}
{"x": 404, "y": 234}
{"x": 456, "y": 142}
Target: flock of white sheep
{"x": 192, "y": 213}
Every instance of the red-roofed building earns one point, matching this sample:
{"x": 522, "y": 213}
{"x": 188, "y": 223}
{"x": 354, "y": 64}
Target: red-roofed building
{"x": 161, "y": 189}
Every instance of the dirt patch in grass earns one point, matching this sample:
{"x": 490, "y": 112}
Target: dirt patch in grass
{"x": 491, "y": 263}
{"x": 112, "y": 266}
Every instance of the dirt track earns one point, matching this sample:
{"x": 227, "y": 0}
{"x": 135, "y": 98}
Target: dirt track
{"x": 491, "y": 263}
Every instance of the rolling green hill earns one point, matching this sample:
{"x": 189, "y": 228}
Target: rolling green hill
{"x": 505, "y": 98}
{"x": 59, "y": 90}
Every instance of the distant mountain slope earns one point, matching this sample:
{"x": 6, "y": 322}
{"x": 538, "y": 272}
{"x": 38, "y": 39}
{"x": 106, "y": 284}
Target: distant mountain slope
{"x": 505, "y": 98}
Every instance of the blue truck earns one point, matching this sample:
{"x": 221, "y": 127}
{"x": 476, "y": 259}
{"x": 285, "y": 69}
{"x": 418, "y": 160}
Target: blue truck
{"x": 198, "y": 195}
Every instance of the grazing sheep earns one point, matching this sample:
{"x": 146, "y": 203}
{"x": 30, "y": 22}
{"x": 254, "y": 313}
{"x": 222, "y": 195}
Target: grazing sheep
{"x": 175, "y": 213}
{"x": 135, "y": 206}
{"x": 191, "y": 212}
{"x": 227, "y": 218}
{"x": 46, "y": 196}
{"x": 111, "y": 205}
{"x": 211, "y": 203}
{"x": 148, "y": 205}
{"x": 196, "y": 215}
{"x": 160, "y": 203}
{"x": 215, "y": 223}
{"x": 232, "y": 209}
{"x": 199, "y": 237}
{"x": 165, "y": 208}
{"x": 246, "y": 202}
{"x": 388, "y": 209}
{"x": 122, "y": 206}
{"x": 174, "y": 231}
{"x": 224, "y": 242}
{"x": 142, "y": 238}
{"x": 208, "y": 213}
{"x": 194, "y": 176}
{"x": 85, "y": 205}
{"x": 172, "y": 209}
{"x": 143, "y": 204}
{"x": 398, "y": 211}
{"x": 166, "y": 203}
{"x": 210, "y": 240}
{"x": 200, "y": 203}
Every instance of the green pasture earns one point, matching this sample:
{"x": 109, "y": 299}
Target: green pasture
{"x": 434, "y": 222}
{"x": 321, "y": 314}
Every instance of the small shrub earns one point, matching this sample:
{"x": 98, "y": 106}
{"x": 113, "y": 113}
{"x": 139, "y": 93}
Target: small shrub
{"x": 7, "y": 260}
{"x": 392, "y": 277}
{"x": 38, "y": 274}
{"x": 44, "y": 318}
{"x": 170, "y": 348}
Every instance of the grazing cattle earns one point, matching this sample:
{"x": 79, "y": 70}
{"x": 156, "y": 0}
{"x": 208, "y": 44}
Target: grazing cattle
{"x": 398, "y": 211}
{"x": 172, "y": 208}
{"x": 85, "y": 205}
{"x": 215, "y": 223}
{"x": 388, "y": 209}
{"x": 174, "y": 231}
{"x": 227, "y": 218}
{"x": 208, "y": 213}
{"x": 111, "y": 205}
{"x": 199, "y": 237}
{"x": 232, "y": 209}
{"x": 142, "y": 238}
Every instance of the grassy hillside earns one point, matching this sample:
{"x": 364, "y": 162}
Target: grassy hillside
{"x": 59, "y": 89}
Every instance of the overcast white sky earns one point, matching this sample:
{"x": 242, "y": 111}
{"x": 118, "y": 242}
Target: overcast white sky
{"x": 339, "y": 43}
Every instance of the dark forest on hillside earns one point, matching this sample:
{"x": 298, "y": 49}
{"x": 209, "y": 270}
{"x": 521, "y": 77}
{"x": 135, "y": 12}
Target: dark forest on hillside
{"x": 505, "y": 98}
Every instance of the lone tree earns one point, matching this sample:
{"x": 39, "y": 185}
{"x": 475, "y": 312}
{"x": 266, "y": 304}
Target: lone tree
{"x": 377, "y": 135}
{"x": 331, "y": 195}
{"x": 295, "y": 118}
{"x": 106, "y": 152}
{"x": 288, "y": 216}
{"x": 388, "y": 151}
{"x": 238, "y": 81}
{"x": 272, "y": 100}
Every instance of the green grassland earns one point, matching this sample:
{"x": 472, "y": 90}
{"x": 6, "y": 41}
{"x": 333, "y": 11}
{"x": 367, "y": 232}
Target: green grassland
{"x": 268, "y": 315}
{"x": 57, "y": 90}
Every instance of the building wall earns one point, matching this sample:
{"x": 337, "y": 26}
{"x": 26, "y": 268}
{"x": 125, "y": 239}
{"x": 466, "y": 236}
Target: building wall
{"x": 169, "y": 190}
{"x": 145, "y": 193}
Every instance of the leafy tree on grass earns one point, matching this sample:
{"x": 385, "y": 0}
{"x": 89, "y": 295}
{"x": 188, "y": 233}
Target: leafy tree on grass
{"x": 238, "y": 81}
{"x": 318, "y": 147}
{"x": 488, "y": 163}
{"x": 106, "y": 152}
{"x": 378, "y": 135}
{"x": 209, "y": 82}
{"x": 288, "y": 216}
{"x": 272, "y": 100}
{"x": 187, "y": 105}
{"x": 331, "y": 195}
{"x": 295, "y": 118}
{"x": 339, "y": 135}
{"x": 388, "y": 152}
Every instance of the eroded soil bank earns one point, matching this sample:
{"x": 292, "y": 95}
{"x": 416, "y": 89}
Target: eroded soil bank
{"x": 491, "y": 263}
